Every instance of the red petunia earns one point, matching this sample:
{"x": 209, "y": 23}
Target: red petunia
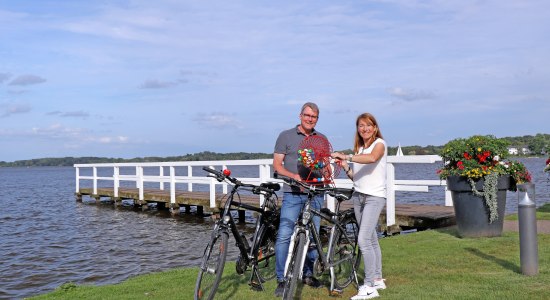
{"x": 468, "y": 156}
{"x": 460, "y": 165}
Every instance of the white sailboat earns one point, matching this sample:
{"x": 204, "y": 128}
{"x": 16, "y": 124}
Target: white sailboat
{"x": 399, "y": 151}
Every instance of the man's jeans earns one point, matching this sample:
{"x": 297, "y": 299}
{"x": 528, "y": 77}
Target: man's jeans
{"x": 290, "y": 210}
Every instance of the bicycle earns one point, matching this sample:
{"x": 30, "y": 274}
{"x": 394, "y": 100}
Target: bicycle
{"x": 342, "y": 256}
{"x": 259, "y": 254}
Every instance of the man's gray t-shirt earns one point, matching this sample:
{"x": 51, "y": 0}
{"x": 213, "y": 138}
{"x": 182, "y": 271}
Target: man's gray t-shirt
{"x": 288, "y": 143}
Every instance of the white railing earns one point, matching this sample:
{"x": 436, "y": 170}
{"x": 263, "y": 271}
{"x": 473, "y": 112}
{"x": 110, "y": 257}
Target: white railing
{"x": 265, "y": 175}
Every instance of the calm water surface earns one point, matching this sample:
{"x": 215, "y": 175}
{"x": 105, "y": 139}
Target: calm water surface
{"x": 49, "y": 239}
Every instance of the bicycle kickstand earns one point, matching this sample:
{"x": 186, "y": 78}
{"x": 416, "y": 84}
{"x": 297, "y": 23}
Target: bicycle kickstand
{"x": 255, "y": 283}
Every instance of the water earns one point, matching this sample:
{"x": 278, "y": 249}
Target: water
{"x": 49, "y": 239}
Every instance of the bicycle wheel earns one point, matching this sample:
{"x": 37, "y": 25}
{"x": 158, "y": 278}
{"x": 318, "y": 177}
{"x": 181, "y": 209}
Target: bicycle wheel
{"x": 345, "y": 258}
{"x": 211, "y": 269}
{"x": 294, "y": 270}
{"x": 265, "y": 252}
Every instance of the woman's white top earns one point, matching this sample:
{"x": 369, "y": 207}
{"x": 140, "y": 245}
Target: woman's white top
{"x": 370, "y": 179}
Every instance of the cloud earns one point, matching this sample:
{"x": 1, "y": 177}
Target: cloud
{"x": 4, "y": 77}
{"x": 201, "y": 77}
{"x": 410, "y": 94}
{"x": 76, "y": 136}
{"x": 9, "y": 109}
{"x": 58, "y": 131}
{"x": 27, "y": 80}
{"x": 73, "y": 114}
{"x": 156, "y": 84}
{"x": 109, "y": 140}
{"x": 218, "y": 121}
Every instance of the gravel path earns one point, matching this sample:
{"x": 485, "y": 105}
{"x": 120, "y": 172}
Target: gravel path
{"x": 543, "y": 226}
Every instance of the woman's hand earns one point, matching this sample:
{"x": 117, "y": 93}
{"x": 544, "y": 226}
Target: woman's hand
{"x": 338, "y": 156}
{"x": 340, "y": 159}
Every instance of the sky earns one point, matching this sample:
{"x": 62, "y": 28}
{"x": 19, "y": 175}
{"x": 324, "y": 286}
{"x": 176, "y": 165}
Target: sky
{"x": 129, "y": 79}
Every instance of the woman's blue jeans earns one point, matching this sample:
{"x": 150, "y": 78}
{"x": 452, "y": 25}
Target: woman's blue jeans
{"x": 290, "y": 210}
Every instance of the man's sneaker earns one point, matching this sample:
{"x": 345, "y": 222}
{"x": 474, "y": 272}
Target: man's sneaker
{"x": 280, "y": 289}
{"x": 366, "y": 292}
{"x": 379, "y": 284}
{"x": 312, "y": 282}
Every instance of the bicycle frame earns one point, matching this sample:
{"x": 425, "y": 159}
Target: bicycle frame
{"x": 226, "y": 223}
{"x": 305, "y": 225}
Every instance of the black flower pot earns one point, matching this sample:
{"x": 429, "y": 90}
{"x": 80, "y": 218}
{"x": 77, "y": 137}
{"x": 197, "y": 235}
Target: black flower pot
{"x": 471, "y": 212}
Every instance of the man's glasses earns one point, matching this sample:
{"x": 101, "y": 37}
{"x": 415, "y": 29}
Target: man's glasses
{"x": 310, "y": 116}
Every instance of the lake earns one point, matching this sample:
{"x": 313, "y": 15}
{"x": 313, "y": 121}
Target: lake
{"x": 49, "y": 239}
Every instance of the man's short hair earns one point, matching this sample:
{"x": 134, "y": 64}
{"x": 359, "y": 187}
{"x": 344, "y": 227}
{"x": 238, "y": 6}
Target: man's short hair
{"x": 311, "y": 105}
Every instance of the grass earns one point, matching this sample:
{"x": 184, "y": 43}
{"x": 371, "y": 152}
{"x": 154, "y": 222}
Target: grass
{"x": 432, "y": 264}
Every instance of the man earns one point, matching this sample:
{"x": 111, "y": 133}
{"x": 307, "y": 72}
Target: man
{"x": 285, "y": 162}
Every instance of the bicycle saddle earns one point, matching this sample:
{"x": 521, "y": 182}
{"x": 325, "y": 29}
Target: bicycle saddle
{"x": 271, "y": 185}
{"x": 342, "y": 193}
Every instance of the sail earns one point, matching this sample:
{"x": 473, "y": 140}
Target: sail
{"x": 399, "y": 151}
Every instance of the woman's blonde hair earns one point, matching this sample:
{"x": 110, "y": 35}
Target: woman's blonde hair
{"x": 369, "y": 118}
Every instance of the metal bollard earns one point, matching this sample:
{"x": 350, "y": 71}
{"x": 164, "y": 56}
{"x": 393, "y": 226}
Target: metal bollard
{"x": 527, "y": 219}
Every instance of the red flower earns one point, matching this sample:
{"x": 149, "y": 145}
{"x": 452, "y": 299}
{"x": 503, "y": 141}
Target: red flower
{"x": 460, "y": 165}
{"x": 481, "y": 158}
{"x": 468, "y": 156}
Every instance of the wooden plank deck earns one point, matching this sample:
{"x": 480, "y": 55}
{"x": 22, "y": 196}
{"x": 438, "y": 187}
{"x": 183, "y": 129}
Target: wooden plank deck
{"x": 408, "y": 216}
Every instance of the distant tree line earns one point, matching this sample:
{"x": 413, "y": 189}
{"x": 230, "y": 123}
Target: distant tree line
{"x": 538, "y": 145}
{"x": 70, "y": 161}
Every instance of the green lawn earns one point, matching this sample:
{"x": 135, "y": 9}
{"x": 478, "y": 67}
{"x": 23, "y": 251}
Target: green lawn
{"x": 433, "y": 264}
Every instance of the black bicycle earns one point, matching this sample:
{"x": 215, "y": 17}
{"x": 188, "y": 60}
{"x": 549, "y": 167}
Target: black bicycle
{"x": 342, "y": 254}
{"x": 259, "y": 254}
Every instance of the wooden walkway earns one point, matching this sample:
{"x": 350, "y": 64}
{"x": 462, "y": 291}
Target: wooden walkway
{"x": 408, "y": 216}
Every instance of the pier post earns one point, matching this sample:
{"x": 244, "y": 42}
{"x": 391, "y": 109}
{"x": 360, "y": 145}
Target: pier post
{"x": 174, "y": 209}
{"x": 241, "y": 216}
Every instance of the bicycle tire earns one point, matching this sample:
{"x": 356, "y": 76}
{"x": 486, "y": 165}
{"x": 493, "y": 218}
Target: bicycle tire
{"x": 294, "y": 271}
{"x": 211, "y": 269}
{"x": 345, "y": 257}
{"x": 265, "y": 252}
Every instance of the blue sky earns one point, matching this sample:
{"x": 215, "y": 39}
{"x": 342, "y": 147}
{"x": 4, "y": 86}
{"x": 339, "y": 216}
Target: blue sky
{"x": 171, "y": 77}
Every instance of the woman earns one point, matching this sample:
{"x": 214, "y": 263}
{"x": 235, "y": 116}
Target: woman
{"x": 369, "y": 179}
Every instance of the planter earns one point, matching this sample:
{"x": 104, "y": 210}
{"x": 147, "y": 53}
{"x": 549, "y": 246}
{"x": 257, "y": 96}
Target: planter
{"x": 471, "y": 212}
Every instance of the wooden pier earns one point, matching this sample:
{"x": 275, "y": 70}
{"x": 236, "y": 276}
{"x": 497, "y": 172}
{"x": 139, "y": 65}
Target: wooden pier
{"x": 137, "y": 181}
{"x": 408, "y": 216}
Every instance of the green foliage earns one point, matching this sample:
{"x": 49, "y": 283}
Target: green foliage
{"x": 533, "y": 142}
{"x": 70, "y": 161}
{"x": 479, "y": 156}
{"x": 544, "y": 208}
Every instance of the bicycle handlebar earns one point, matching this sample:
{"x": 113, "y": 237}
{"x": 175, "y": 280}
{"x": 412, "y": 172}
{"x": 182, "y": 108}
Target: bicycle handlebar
{"x": 267, "y": 187}
{"x": 339, "y": 193}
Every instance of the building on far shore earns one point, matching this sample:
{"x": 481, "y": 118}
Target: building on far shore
{"x": 516, "y": 150}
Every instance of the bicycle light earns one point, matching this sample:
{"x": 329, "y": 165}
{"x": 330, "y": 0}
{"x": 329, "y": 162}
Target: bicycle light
{"x": 226, "y": 219}
{"x": 305, "y": 217}
{"x": 226, "y": 172}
